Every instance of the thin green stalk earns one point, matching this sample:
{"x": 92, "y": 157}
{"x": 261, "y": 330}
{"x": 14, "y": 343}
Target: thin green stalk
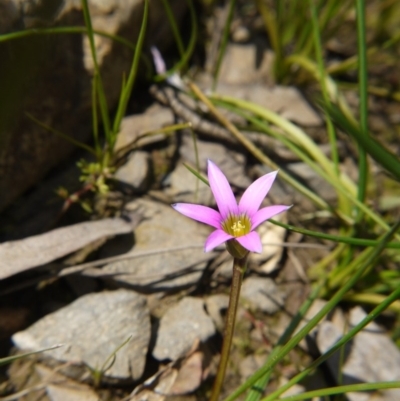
{"x": 239, "y": 268}
{"x": 174, "y": 27}
{"x": 196, "y": 155}
{"x": 322, "y": 73}
{"x": 335, "y": 238}
{"x": 98, "y": 80}
{"x": 272, "y": 27}
{"x": 379, "y": 153}
{"x": 95, "y": 120}
{"x": 62, "y": 135}
{"x": 224, "y": 42}
{"x": 363, "y": 94}
{"x": 320, "y": 268}
{"x": 63, "y": 30}
{"x": 189, "y": 51}
{"x": 10, "y": 359}
{"x": 308, "y": 395}
{"x": 294, "y": 341}
{"x": 371, "y": 299}
{"x": 127, "y": 88}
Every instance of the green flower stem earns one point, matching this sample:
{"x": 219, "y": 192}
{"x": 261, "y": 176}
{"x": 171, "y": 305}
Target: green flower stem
{"x": 239, "y": 267}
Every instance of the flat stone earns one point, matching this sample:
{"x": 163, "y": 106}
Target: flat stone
{"x": 134, "y": 127}
{"x": 168, "y": 251}
{"x": 272, "y": 237}
{"x": 60, "y": 388}
{"x": 370, "y": 357}
{"x": 313, "y": 180}
{"x": 186, "y": 187}
{"x": 250, "y": 64}
{"x": 287, "y": 101}
{"x": 262, "y": 294}
{"x": 179, "y": 328}
{"x": 135, "y": 172}
{"x": 91, "y": 329}
{"x": 216, "y": 306}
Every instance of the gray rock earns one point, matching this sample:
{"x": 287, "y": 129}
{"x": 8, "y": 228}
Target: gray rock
{"x": 180, "y": 327}
{"x": 250, "y": 65}
{"x": 136, "y": 171}
{"x": 370, "y": 357}
{"x": 216, "y": 305}
{"x": 60, "y": 388}
{"x": 232, "y": 163}
{"x": 286, "y": 101}
{"x": 315, "y": 308}
{"x": 168, "y": 251}
{"x": 263, "y": 294}
{"x": 50, "y": 77}
{"x": 91, "y": 329}
{"x": 185, "y": 187}
{"x": 21, "y": 255}
{"x": 135, "y": 126}
{"x": 313, "y": 180}
{"x": 250, "y": 364}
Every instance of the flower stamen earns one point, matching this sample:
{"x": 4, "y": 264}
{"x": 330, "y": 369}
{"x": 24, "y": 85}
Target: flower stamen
{"x": 238, "y": 228}
{"x": 237, "y": 225}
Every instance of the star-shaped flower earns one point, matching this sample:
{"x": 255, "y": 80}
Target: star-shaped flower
{"x": 234, "y": 223}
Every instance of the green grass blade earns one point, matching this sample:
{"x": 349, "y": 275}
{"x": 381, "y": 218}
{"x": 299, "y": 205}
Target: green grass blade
{"x": 363, "y": 94}
{"x": 224, "y": 42}
{"x": 325, "y": 392}
{"x": 62, "y": 135}
{"x": 197, "y": 174}
{"x": 322, "y": 73}
{"x": 98, "y": 80}
{"x": 127, "y": 88}
{"x": 10, "y": 359}
{"x": 335, "y": 238}
{"x": 189, "y": 51}
{"x": 380, "y": 154}
{"x": 174, "y": 27}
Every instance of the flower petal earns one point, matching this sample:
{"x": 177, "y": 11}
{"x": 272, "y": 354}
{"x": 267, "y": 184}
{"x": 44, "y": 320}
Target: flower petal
{"x": 200, "y": 213}
{"x": 266, "y": 213}
{"x": 255, "y": 194}
{"x": 216, "y": 238}
{"x": 222, "y": 191}
{"x": 158, "y": 60}
{"x": 251, "y": 242}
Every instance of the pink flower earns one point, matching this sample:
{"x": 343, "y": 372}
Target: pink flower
{"x": 234, "y": 221}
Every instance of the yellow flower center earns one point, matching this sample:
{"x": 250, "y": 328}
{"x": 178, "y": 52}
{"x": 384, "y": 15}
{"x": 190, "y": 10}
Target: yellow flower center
{"x": 237, "y": 225}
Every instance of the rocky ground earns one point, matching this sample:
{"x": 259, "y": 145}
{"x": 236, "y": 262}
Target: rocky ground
{"x": 127, "y": 292}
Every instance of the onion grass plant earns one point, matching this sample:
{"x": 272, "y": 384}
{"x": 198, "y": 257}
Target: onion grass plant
{"x": 353, "y": 272}
{"x": 366, "y": 240}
